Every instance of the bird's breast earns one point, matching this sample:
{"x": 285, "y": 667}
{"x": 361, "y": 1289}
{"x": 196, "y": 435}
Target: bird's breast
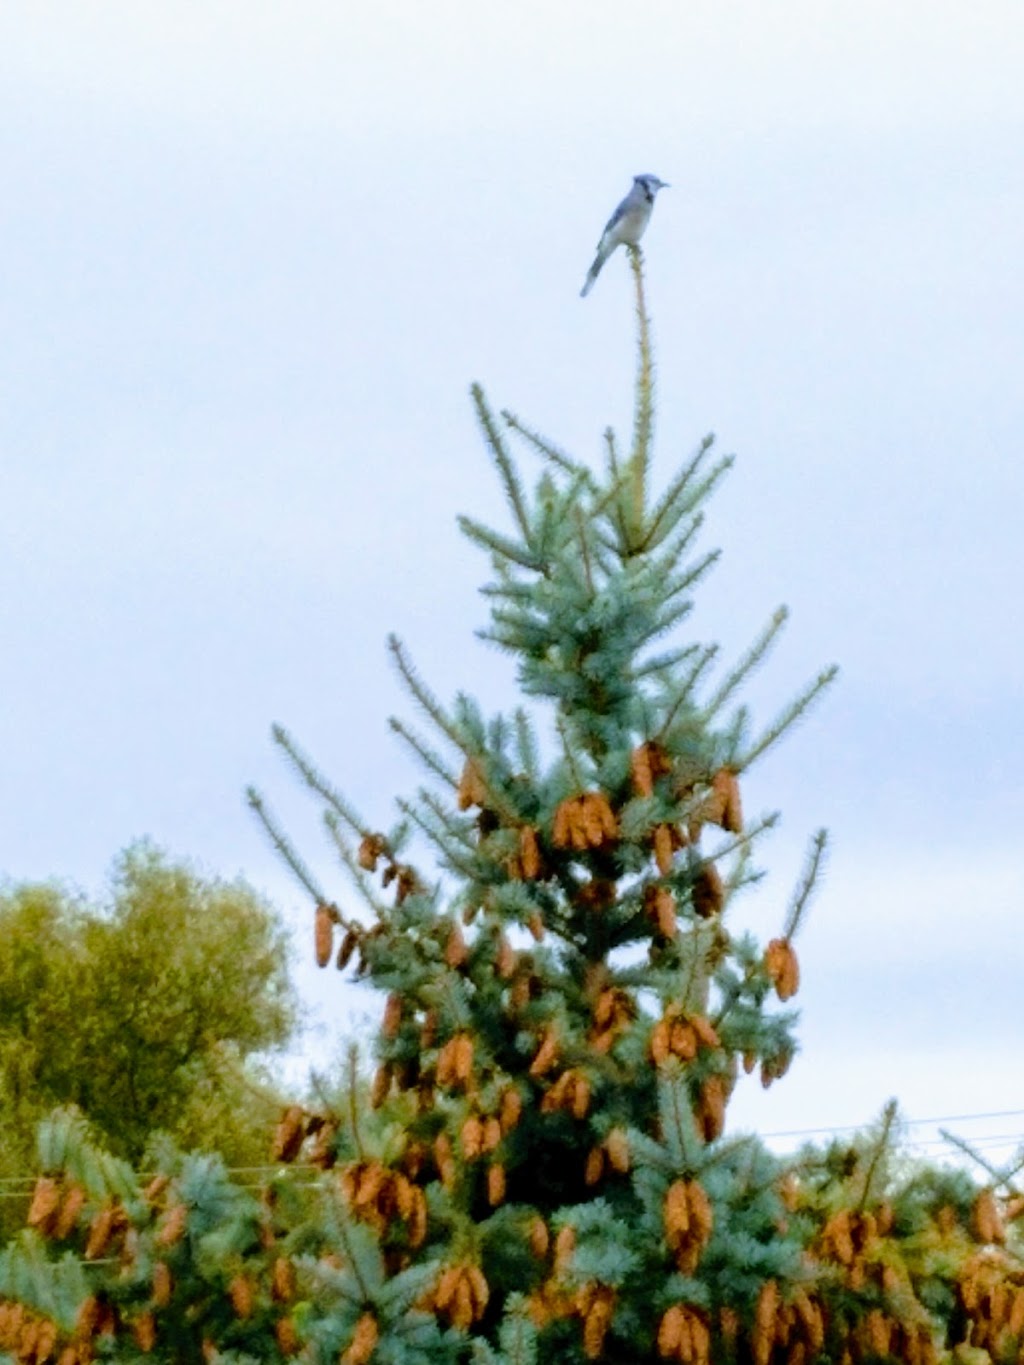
{"x": 632, "y": 224}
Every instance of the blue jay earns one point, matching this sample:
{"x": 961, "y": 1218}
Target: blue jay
{"x": 626, "y": 225}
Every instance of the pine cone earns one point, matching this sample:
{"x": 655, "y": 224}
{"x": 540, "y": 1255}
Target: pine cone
{"x": 143, "y": 1330}
{"x": 371, "y": 848}
{"x": 324, "y": 933}
{"x": 495, "y": 1184}
{"x": 546, "y": 1055}
{"x": 708, "y": 892}
{"x": 381, "y": 1085}
{"x": 286, "y": 1336}
{"x": 163, "y": 1284}
{"x": 510, "y": 1108}
{"x": 585, "y": 822}
{"x": 647, "y": 763}
{"x": 986, "y": 1222}
{"x": 529, "y": 853}
{"x": 471, "y": 1138}
{"x": 593, "y": 1170}
{"x": 780, "y": 962}
{"x": 596, "y": 1322}
{"x": 710, "y": 1113}
{"x": 723, "y": 804}
{"x": 240, "y": 1292}
{"x": 67, "y": 1218}
{"x": 666, "y": 839}
{"x": 392, "y": 1015}
{"x": 472, "y": 788}
{"x": 282, "y": 1283}
{"x": 764, "y": 1322}
{"x": 660, "y": 908}
{"x": 617, "y": 1146}
{"x": 539, "y": 1237}
{"x": 289, "y": 1134}
{"x": 456, "y": 952}
{"x": 45, "y": 1204}
{"x": 102, "y": 1229}
{"x": 364, "y": 1341}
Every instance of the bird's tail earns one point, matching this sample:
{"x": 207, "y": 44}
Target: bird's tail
{"x": 592, "y": 274}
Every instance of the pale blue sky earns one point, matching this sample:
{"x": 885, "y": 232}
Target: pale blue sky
{"x": 253, "y": 255}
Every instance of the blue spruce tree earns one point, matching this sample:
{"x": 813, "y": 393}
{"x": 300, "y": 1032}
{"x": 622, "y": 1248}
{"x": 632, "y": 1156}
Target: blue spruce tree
{"x": 568, "y": 1010}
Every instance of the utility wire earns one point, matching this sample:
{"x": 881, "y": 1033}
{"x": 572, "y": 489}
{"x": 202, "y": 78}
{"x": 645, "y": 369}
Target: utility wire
{"x": 905, "y": 1123}
{"x": 26, "y": 1183}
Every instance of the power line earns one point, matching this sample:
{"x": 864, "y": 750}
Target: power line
{"x": 905, "y": 1123}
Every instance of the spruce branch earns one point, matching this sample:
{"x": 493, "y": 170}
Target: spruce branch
{"x": 502, "y": 459}
{"x": 440, "y": 841}
{"x": 517, "y": 593}
{"x": 684, "y": 690}
{"x": 740, "y": 874}
{"x": 617, "y": 487}
{"x": 517, "y": 1334}
{"x": 674, "y": 553}
{"x": 448, "y": 822}
{"x": 643, "y": 417}
{"x": 695, "y": 572}
{"x": 879, "y": 1150}
{"x": 284, "y": 846}
{"x": 352, "y": 1094}
{"x": 734, "y": 734}
{"x": 423, "y": 694}
{"x": 687, "y": 501}
{"x": 429, "y": 757}
{"x": 546, "y": 448}
{"x": 998, "y": 1176}
{"x": 754, "y": 655}
{"x": 696, "y": 944}
{"x": 664, "y": 663}
{"x": 500, "y": 545}
{"x": 671, "y": 505}
{"x": 744, "y": 840}
{"x": 357, "y": 874}
{"x": 807, "y": 884}
{"x": 677, "y": 1117}
{"x": 617, "y": 479}
{"x": 514, "y": 633}
{"x": 353, "y": 1238}
{"x": 563, "y": 732}
{"x": 584, "y": 550}
{"x": 526, "y": 742}
{"x": 664, "y": 622}
{"x": 788, "y": 717}
{"x": 316, "y": 781}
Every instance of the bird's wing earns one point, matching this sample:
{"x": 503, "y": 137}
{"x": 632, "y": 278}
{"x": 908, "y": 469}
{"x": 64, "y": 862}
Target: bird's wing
{"x": 617, "y": 216}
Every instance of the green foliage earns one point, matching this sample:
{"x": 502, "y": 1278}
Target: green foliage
{"x": 147, "y": 1012}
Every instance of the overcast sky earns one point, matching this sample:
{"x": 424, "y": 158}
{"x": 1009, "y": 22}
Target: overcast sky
{"x": 253, "y": 255}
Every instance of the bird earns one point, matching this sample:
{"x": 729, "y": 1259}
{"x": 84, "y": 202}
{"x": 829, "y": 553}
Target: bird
{"x": 626, "y": 225}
